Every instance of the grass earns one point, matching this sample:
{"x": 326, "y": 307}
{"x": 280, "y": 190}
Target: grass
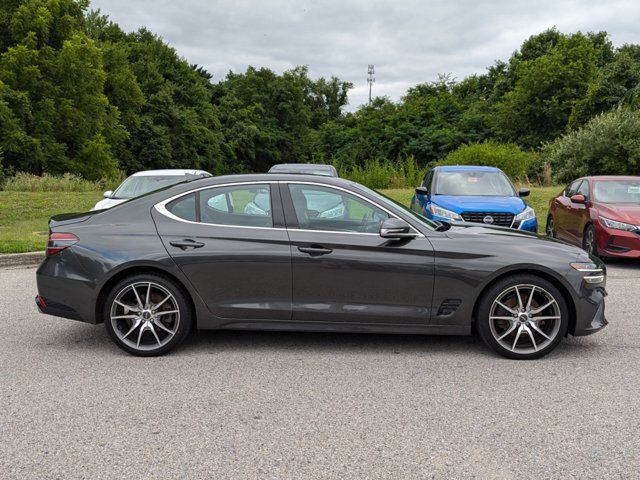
{"x": 24, "y": 215}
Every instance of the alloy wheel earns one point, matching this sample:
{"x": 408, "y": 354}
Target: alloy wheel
{"x": 550, "y": 228}
{"x": 525, "y": 319}
{"x": 145, "y": 316}
{"x": 590, "y": 241}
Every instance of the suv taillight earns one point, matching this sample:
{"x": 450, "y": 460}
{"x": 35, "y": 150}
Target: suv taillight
{"x": 59, "y": 241}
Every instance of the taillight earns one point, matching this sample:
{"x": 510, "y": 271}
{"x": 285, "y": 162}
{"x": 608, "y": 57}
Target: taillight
{"x": 59, "y": 241}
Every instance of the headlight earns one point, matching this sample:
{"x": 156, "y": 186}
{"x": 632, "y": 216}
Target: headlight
{"x": 593, "y": 274}
{"x": 586, "y": 267}
{"x": 617, "y": 225}
{"x": 443, "y": 212}
{"x": 527, "y": 214}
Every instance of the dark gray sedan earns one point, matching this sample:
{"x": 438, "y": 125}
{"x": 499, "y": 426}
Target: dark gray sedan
{"x": 310, "y": 253}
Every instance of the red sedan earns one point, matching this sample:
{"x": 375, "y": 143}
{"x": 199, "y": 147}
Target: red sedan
{"x": 601, "y": 214}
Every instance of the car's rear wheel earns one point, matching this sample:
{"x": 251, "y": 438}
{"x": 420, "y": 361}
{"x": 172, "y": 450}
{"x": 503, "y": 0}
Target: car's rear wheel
{"x": 550, "y": 227}
{"x": 147, "y": 314}
{"x": 522, "y": 317}
{"x": 589, "y": 241}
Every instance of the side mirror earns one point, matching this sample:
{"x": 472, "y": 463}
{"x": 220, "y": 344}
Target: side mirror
{"x": 524, "y": 192}
{"x": 578, "y": 198}
{"x": 108, "y": 194}
{"x": 422, "y": 191}
{"x": 396, "y": 228}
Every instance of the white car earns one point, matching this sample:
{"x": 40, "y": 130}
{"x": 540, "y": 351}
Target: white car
{"x": 144, "y": 182}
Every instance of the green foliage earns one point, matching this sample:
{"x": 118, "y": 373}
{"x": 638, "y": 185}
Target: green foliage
{"x": 510, "y": 158}
{"x": 608, "y": 144}
{"x": 548, "y": 79}
{"x": 384, "y": 174}
{"x": 27, "y": 182}
{"x": 80, "y": 95}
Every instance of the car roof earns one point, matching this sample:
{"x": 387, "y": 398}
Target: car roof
{"x": 612, "y": 177}
{"x": 170, "y": 172}
{"x": 305, "y": 168}
{"x": 466, "y": 168}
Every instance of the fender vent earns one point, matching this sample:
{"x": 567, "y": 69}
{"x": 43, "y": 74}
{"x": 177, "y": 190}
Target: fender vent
{"x": 449, "y": 306}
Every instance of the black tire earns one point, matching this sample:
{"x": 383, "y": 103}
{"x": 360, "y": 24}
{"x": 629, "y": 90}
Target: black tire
{"x": 550, "y": 231}
{"x": 555, "y": 331}
{"x": 177, "y": 326}
{"x": 589, "y": 244}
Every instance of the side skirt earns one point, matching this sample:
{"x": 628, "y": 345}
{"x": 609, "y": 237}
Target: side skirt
{"x": 293, "y": 326}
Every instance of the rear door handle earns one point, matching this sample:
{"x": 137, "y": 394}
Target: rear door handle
{"x": 187, "y": 243}
{"x": 315, "y": 250}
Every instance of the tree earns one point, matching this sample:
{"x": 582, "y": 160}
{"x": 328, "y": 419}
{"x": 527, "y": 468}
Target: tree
{"x": 608, "y": 143}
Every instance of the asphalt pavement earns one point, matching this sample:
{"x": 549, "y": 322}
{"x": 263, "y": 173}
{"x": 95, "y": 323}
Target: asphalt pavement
{"x": 253, "y": 405}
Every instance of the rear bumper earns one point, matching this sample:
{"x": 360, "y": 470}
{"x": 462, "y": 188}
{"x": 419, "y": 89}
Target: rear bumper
{"x": 64, "y": 292}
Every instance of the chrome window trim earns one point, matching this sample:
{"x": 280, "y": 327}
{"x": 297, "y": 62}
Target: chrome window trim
{"x": 377, "y": 205}
{"x": 161, "y": 207}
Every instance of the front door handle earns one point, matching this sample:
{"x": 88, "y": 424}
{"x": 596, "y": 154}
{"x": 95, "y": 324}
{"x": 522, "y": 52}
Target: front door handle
{"x": 187, "y": 243}
{"x": 315, "y": 250}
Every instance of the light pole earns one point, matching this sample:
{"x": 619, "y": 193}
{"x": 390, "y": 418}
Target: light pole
{"x": 370, "y": 80}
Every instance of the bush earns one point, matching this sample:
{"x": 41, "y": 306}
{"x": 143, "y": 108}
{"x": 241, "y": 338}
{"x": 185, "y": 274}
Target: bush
{"x": 506, "y": 156}
{"x": 608, "y": 145}
{"x": 384, "y": 174}
{"x": 27, "y": 182}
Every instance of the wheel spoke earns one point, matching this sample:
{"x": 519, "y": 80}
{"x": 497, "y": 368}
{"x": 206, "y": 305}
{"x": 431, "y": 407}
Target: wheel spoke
{"x": 146, "y": 302}
{"x": 533, "y": 289}
{"x": 140, "y": 305}
{"x": 153, "y": 330}
{"x": 502, "y": 318}
{"x": 508, "y": 309}
{"x": 158, "y": 305}
{"x": 539, "y": 330}
{"x": 533, "y": 340}
{"x": 509, "y": 330}
{"x": 537, "y": 319}
{"x": 135, "y": 325}
{"x": 515, "y": 342}
{"x": 142, "y": 329}
{"x": 124, "y": 316}
{"x": 520, "y": 305}
{"x": 159, "y": 324}
{"x": 124, "y": 305}
{"x": 166, "y": 312}
{"x": 544, "y": 307}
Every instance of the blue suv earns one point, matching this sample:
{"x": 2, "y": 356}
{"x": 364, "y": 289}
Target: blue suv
{"x": 473, "y": 194}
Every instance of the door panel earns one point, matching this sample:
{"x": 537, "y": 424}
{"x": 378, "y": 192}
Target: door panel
{"x": 343, "y": 271}
{"x": 240, "y": 272}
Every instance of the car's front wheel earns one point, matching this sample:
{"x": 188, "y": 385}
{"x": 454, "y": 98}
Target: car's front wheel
{"x": 589, "y": 241}
{"x": 147, "y": 314}
{"x": 550, "y": 231}
{"x": 522, "y": 317}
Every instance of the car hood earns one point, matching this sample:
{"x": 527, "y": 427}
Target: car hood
{"x": 509, "y": 236}
{"x": 623, "y": 212}
{"x": 108, "y": 203}
{"x": 463, "y": 203}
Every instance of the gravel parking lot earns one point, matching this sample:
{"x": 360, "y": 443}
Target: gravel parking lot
{"x": 270, "y": 405}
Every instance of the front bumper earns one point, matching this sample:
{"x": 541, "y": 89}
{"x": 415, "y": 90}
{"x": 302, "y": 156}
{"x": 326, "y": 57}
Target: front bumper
{"x": 617, "y": 243}
{"x": 588, "y": 301}
{"x": 530, "y": 225}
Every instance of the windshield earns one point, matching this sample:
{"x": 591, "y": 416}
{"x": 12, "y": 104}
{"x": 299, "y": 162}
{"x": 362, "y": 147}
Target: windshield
{"x": 618, "y": 191}
{"x": 139, "y": 185}
{"x": 392, "y": 203}
{"x": 494, "y": 184}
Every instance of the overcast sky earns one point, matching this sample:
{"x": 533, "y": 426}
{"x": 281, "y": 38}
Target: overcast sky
{"x": 408, "y": 41}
